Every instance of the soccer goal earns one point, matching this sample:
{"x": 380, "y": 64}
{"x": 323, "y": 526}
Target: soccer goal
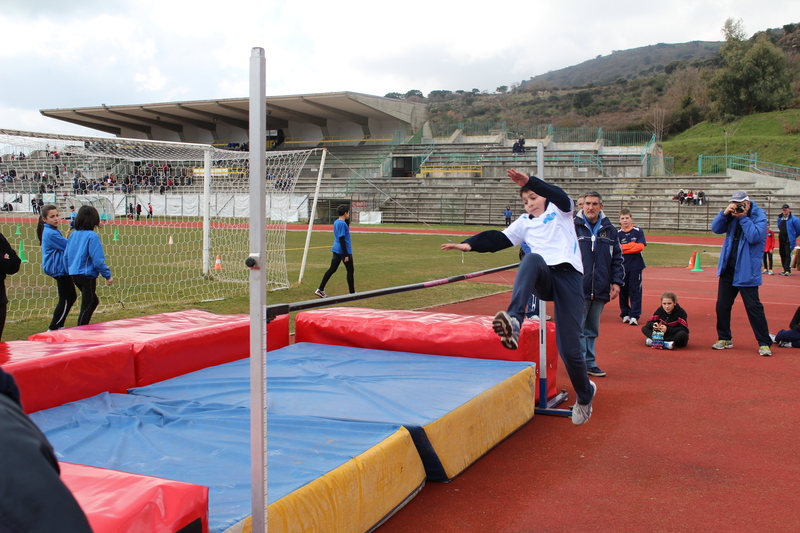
{"x": 174, "y": 216}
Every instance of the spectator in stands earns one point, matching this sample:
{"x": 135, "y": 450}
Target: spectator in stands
{"x": 9, "y": 264}
{"x": 86, "y": 260}
{"x": 701, "y": 197}
{"x": 632, "y": 241}
{"x": 603, "y": 273}
{"x": 670, "y": 320}
{"x": 553, "y": 272}
{"x": 745, "y": 227}
{"x": 53, "y": 264}
{"x": 689, "y": 198}
{"x": 790, "y": 338}
{"x": 769, "y": 245}
{"x": 508, "y": 214}
{"x": 788, "y": 230}
{"x": 680, "y": 196}
{"x": 521, "y": 142}
{"x": 342, "y": 252}
{"x": 33, "y": 495}
{"x": 516, "y": 148}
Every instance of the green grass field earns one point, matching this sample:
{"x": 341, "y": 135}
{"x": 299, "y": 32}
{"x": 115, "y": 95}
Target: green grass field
{"x": 381, "y": 260}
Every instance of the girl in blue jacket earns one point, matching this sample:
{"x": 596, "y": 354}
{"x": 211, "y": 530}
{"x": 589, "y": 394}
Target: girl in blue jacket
{"x": 54, "y": 264}
{"x": 86, "y": 260}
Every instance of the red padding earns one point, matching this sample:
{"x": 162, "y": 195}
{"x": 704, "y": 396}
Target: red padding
{"x": 169, "y": 344}
{"x": 49, "y": 375}
{"x": 278, "y": 333}
{"x": 119, "y": 502}
{"x": 421, "y": 332}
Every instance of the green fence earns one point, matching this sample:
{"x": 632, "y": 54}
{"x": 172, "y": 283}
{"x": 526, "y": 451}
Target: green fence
{"x": 708, "y": 165}
{"x": 626, "y": 138}
{"x": 660, "y": 166}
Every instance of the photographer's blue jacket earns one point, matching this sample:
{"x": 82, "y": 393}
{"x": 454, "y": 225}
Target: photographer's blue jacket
{"x": 747, "y": 272}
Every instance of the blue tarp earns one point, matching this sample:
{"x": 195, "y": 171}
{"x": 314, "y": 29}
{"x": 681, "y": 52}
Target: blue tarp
{"x": 204, "y": 444}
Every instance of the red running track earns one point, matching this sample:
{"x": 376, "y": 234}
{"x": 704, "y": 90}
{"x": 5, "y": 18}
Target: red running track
{"x": 680, "y": 441}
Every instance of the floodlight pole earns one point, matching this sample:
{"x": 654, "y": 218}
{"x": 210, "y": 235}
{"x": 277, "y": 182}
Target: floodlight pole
{"x": 258, "y": 290}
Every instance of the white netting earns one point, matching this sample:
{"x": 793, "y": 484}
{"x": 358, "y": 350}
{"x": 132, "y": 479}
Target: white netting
{"x": 151, "y": 196}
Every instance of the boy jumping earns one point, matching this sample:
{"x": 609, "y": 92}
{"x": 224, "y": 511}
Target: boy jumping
{"x": 553, "y": 271}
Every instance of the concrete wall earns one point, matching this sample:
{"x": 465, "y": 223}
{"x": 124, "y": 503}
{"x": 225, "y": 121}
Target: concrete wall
{"x": 780, "y": 185}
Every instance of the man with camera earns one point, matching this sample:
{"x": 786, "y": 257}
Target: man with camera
{"x": 739, "y": 270}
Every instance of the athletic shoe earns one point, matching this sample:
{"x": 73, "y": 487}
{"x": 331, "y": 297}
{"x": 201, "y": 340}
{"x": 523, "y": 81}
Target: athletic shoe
{"x": 648, "y": 342}
{"x": 770, "y": 272}
{"x": 772, "y": 337}
{"x": 536, "y": 317}
{"x": 721, "y": 344}
{"x": 508, "y": 329}
{"x": 626, "y": 319}
{"x": 595, "y": 371}
{"x": 764, "y": 350}
{"x": 320, "y": 293}
{"x": 669, "y": 345}
{"x": 633, "y": 322}
{"x": 764, "y": 271}
{"x": 785, "y": 344}
{"x": 786, "y": 273}
{"x": 582, "y": 413}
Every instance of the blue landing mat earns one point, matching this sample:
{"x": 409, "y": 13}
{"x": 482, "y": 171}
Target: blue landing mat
{"x": 203, "y": 444}
{"x": 358, "y": 384}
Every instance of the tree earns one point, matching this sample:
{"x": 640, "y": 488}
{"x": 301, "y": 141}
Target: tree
{"x": 396, "y": 96}
{"x": 582, "y": 99}
{"x": 659, "y": 120}
{"x": 755, "y": 78}
{"x": 414, "y": 92}
{"x": 502, "y": 89}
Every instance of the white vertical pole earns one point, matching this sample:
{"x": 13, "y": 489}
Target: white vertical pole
{"x": 312, "y": 215}
{"x": 542, "y": 303}
{"x": 258, "y": 289}
{"x": 206, "y": 211}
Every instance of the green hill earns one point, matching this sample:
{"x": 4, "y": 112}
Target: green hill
{"x": 626, "y": 64}
{"x": 774, "y": 136}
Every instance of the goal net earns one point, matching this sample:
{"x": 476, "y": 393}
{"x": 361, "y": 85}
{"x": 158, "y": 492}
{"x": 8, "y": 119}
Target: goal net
{"x": 174, "y": 217}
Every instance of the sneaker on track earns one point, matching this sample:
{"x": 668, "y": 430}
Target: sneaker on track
{"x": 595, "y": 371}
{"x": 626, "y": 319}
{"x": 320, "y": 293}
{"x": 721, "y": 344}
{"x": 582, "y": 413}
{"x": 634, "y": 322}
{"x": 508, "y": 329}
{"x": 764, "y": 350}
{"x": 648, "y": 342}
{"x": 669, "y": 345}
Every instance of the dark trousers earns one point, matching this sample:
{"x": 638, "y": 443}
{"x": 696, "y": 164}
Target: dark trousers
{"x": 66, "y": 297}
{"x": 785, "y": 249}
{"x": 630, "y": 295}
{"x": 89, "y": 299}
{"x": 726, "y": 295}
{"x": 348, "y": 265}
{"x": 767, "y": 260}
{"x": 562, "y": 285}
{"x": 3, "y": 311}
{"x": 32, "y": 494}
{"x": 679, "y": 337}
{"x": 789, "y": 335}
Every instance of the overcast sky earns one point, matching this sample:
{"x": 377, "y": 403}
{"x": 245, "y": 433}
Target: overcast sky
{"x": 66, "y": 54}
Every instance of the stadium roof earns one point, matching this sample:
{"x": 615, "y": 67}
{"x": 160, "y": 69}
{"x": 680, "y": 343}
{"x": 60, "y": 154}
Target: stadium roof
{"x": 163, "y": 121}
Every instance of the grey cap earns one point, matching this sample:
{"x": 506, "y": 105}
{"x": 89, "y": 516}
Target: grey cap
{"x": 739, "y": 196}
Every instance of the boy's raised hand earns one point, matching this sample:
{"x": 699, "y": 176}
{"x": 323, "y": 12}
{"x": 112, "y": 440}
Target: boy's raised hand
{"x": 517, "y": 177}
{"x": 464, "y": 247}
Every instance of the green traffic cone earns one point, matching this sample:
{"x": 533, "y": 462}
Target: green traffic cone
{"x": 22, "y": 252}
{"x": 697, "y": 265}
{"x": 116, "y": 235}
{"x": 18, "y": 230}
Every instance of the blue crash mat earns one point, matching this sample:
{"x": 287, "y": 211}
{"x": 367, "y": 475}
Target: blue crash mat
{"x": 485, "y": 399}
{"x": 204, "y": 444}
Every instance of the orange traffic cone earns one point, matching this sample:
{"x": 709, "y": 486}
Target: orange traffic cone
{"x": 691, "y": 261}
{"x": 218, "y": 263}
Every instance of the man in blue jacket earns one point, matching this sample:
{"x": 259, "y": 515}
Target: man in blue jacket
{"x": 788, "y": 230}
{"x": 603, "y": 273}
{"x": 745, "y": 227}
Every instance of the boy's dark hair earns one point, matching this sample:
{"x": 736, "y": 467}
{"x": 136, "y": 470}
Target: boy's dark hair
{"x": 87, "y": 219}
{"x": 342, "y": 209}
{"x": 40, "y": 226}
{"x": 523, "y": 190}
{"x": 625, "y": 211}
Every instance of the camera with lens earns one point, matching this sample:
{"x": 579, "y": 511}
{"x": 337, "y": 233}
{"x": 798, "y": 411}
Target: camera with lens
{"x": 739, "y": 208}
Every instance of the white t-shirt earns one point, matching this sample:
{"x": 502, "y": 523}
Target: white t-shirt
{"x": 551, "y": 235}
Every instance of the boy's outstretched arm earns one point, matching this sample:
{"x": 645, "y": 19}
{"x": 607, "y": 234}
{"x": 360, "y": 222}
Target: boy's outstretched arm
{"x": 485, "y": 241}
{"x": 464, "y": 247}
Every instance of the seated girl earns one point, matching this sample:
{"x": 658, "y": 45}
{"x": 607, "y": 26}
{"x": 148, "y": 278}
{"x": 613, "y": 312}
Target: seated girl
{"x": 669, "y": 322}
{"x": 790, "y": 338}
